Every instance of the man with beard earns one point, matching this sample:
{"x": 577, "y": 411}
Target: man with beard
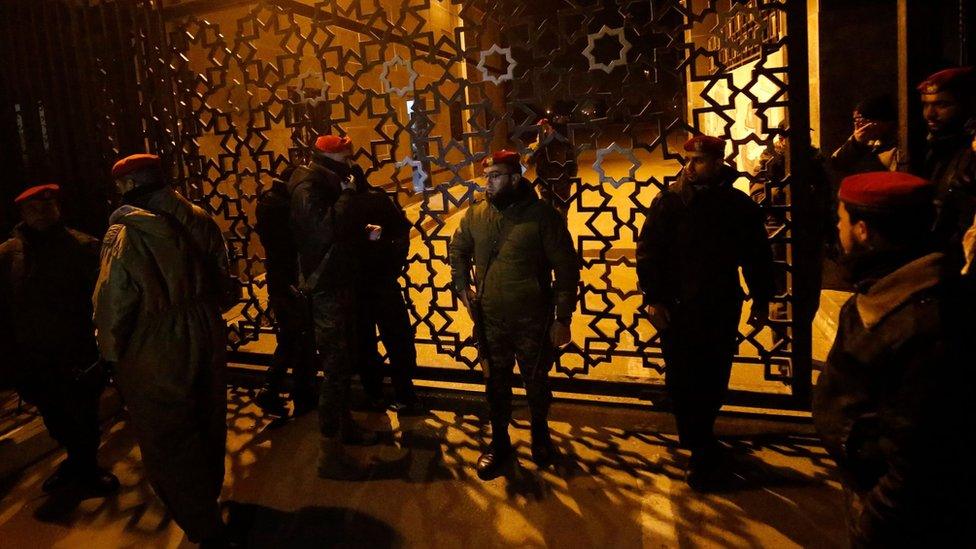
{"x": 526, "y": 274}
{"x": 47, "y": 274}
{"x": 163, "y": 283}
{"x": 697, "y": 234}
{"x": 949, "y": 105}
{"x": 330, "y": 242}
{"x": 893, "y": 404}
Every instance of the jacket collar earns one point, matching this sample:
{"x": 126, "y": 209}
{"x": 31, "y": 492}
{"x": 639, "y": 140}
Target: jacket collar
{"x": 895, "y": 289}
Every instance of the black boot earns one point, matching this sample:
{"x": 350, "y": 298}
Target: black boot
{"x": 353, "y": 434}
{"x": 544, "y": 452}
{"x": 495, "y": 460}
{"x": 271, "y": 403}
{"x": 99, "y": 482}
{"x": 62, "y": 477}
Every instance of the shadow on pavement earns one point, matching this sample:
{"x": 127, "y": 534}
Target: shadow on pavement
{"x": 257, "y": 526}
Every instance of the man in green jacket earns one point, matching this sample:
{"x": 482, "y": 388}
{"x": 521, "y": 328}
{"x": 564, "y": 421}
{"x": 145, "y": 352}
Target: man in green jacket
{"x": 526, "y": 274}
{"x": 158, "y": 299}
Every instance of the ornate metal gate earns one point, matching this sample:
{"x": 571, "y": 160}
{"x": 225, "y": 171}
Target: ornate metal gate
{"x": 231, "y": 92}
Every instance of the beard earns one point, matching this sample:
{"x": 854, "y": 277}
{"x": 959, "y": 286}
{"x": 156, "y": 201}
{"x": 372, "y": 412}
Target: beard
{"x": 504, "y": 196}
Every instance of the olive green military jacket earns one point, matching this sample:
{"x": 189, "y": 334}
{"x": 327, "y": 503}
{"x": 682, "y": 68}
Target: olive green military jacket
{"x": 535, "y": 269}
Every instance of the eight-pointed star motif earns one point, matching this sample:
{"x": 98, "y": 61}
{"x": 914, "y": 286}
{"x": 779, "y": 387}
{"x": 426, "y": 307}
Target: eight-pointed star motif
{"x": 601, "y": 154}
{"x": 621, "y": 59}
{"x": 507, "y": 52}
{"x": 385, "y": 76}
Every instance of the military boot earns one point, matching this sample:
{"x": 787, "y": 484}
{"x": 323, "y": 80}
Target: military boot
{"x": 336, "y": 464}
{"x": 544, "y": 452}
{"x": 498, "y": 457}
{"x": 355, "y": 435}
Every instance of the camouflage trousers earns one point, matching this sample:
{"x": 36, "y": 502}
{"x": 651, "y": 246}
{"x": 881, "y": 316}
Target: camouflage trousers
{"x": 335, "y": 336}
{"x": 523, "y": 340}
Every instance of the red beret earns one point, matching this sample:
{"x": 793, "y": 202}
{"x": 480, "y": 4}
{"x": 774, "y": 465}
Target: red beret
{"x": 332, "y": 144}
{"x": 38, "y": 191}
{"x": 502, "y": 157}
{"x": 956, "y": 77}
{"x": 886, "y": 190}
{"x": 705, "y": 145}
{"x": 134, "y": 163}
{"x": 542, "y": 122}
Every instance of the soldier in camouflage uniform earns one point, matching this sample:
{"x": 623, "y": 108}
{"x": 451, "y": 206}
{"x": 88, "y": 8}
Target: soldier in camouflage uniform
{"x": 526, "y": 273}
{"x": 329, "y": 241}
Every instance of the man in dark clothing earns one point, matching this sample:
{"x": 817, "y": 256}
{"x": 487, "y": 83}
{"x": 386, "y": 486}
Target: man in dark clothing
{"x": 526, "y": 274}
{"x": 554, "y": 157}
{"x": 330, "y": 243}
{"x": 381, "y": 301}
{"x": 949, "y": 107}
{"x": 697, "y": 235}
{"x": 163, "y": 283}
{"x": 294, "y": 347}
{"x": 873, "y": 145}
{"x": 47, "y": 274}
{"x": 894, "y": 402}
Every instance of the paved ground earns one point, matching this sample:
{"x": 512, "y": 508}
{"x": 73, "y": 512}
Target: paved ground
{"x": 619, "y": 486}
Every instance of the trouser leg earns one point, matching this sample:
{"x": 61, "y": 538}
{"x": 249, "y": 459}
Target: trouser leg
{"x": 498, "y": 385}
{"x": 335, "y": 335}
{"x": 535, "y": 357}
{"x": 370, "y": 362}
{"x": 397, "y": 334}
{"x": 69, "y": 410}
{"x": 182, "y": 445}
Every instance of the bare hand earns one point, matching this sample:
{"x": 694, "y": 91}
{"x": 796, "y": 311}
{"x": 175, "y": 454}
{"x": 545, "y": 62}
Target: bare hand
{"x": 865, "y": 133}
{"x": 466, "y": 297}
{"x": 560, "y": 334}
{"x": 659, "y": 316}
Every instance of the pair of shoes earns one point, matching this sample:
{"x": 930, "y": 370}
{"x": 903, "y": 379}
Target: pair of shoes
{"x": 335, "y": 464}
{"x": 271, "y": 403}
{"x": 409, "y": 407}
{"x": 494, "y": 461}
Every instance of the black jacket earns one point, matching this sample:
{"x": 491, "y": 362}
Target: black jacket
{"x": 321, "y": 220}
{"x": 951, "y": 165}
{"x": 894, "y": 402}
{"x": 46, "y": 284}
{"x": 694, "y": 241}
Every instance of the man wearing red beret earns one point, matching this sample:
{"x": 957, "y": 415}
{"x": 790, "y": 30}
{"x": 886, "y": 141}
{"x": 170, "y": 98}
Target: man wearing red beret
{"x": 47, "y": 273}
{"x": 554, "y": 157}
{"x": 526, "y": 274}
{"x": 163, "y": 284}
{"x": 329, "y": 241}
{"x": 949, "y": 106}
{"x": 893, "y": 404}
{"x": 698, "y": 233}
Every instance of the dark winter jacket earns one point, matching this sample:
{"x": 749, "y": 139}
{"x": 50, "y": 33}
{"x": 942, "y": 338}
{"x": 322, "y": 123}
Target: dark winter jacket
{"x": 321, "y": 220}
{"x": 535, "y": 268}
{"x": 695, "y": 240}
{"x": 46, "y": 282}
{"x": 273, "y": 225}
{"x": 951, "y": 165}
{"x": 894, "y": 403}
